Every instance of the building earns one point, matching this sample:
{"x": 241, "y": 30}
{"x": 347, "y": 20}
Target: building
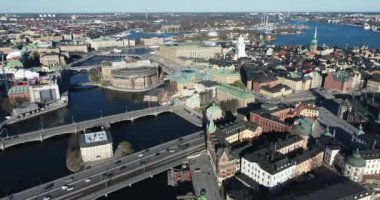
{"x": 272, "y": 167}
{"x": 52, "y": 59}
{"x": 214, "y": 112}
{"x": 276, "y": 91}
{"x": 314, "y": 43}
{"x": 361, "y": 165}
{"x": 188, "y": 51}
{"x": 95, "y": 146}
{"x": 74, "y": 48}
{"x": 308, "y": 110}
{"x": 228, "y": 92}
{"x": 187, "y": 78}
{"x": 140, "y": 78}
{"x": 373, "y": 84}
{"x": 107, "y": 43}
{"x": 226, "y": 75}
{"x": 20, "y": 94}
{"x": 295, "y": 83}
{"x": 316, "y": 79}
{"x": 240, "y": 48}
{"x": 255, "y": 79}
{"x": 153, "y": 41}
{"x": 342, "y": 81}
{"x": 272, "y": 119}
{"x": 45, "y": 93}
{"x": 225, "y": 159}
{"x": 193, "y": 101}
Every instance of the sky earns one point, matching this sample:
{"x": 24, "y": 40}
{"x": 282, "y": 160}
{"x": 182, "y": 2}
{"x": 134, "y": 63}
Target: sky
{"x": 73, "y": 6}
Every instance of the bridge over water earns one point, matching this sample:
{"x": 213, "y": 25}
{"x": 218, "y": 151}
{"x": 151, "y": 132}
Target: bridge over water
{"x": 75, "y": 127}
{"x": 119, "y": 172}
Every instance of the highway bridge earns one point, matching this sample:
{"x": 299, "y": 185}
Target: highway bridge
{"x": 75, "y": 127}
{"x": 118, "y": 173}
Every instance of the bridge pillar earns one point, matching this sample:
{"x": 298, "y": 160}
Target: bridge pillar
{"x": 151, "y": 176}
{"x": 41, "y": 138}
{"x": 2, "y": 146}
{"x": 130, "y": 185}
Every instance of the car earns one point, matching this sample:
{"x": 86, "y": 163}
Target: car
{"x": 147, "y": 150}
{"x": 171, "y": 150}
{"x": 118, "y": 162}
{"x": 88, "y": 167}
{"x": 140, "y": 155}
{"x": 197, "y": 170}
{"x": 158, "y": 153}
{"x": 64, "y": 187}
{"x": 70, "y": 188}
{"x": 47, "y": 197}
{"x": 87, "y": 180}
{"x": 69, "y": 180}
{"x": 142, "y": 163}
{"x": 123, "y": 167}
{"x": 49, "y": 186}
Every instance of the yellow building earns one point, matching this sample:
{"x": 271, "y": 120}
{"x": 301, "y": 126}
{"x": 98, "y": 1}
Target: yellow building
{"x": 276, "y": 91}
{"x": 228, "y": 92}
{"x": 189, "y": 51}
{"x": 373, "y": 85}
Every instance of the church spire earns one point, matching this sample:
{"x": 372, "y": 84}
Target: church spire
{"x": 315, "y": 32}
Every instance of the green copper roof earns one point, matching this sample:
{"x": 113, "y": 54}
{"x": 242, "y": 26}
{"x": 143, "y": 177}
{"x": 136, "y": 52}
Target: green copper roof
{"x": 304, "y": 127}
{"x": 211, "y": 128}
{"x": 19, "y": 89}
{"x": 360, "y": 131}
{"x": 14, "y": 64}
{"x": 236, "y": 92}
{"x": 327, "y": 132}
{"x": 356, "y": 160}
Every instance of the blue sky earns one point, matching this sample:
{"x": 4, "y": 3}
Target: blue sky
{"x": 51, "y": 6}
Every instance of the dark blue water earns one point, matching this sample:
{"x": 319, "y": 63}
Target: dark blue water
{"x": 332, "y": 35}
{"x": 30, "y": 164}
{"x": 137, "y": 35}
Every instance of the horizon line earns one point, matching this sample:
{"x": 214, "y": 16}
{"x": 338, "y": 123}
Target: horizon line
{"x": 138, "y": 12}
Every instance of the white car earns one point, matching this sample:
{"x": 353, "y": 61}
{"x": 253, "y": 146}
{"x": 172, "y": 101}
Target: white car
{"x": 64, "y": 187}
{"x": 87, "y": 180}
{"x": 140, "y": 155}
{"x": 46, "y": 198}
{"x": 70, "y": 188}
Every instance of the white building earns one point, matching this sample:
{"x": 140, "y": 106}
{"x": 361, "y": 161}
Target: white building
{"x": 45, "y": 93}
{"x": 214, "y": 112}
{"x": 361, "y": 164}
{"x": 95, "y": 146}
{"x": 194, "y": 101}
{"x": 240, "y": 48}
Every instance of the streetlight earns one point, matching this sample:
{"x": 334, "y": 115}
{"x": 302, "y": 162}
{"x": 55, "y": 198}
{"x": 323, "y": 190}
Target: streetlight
{"x": 126, "y": 108}
{"x": 72, "y": 119}
{"x": 101, "y": 114}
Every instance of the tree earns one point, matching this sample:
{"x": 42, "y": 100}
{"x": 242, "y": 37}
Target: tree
{"x": 94, "y": 75}
{"x": 125, "y": 148}
{"x": 239, "y": 84}
{"x": 229, "y": 105}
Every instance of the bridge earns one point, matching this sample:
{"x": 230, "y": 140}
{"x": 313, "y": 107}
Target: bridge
{"x": 75, "y": 127}
{"x": 119, "y": 172}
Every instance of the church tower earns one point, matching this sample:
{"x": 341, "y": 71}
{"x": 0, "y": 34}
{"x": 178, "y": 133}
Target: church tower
{"x": 314, "y": 42}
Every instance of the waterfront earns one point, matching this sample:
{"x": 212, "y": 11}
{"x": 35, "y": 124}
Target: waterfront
{"x": 332, "y": 35}
{"x": 24, "y": 166}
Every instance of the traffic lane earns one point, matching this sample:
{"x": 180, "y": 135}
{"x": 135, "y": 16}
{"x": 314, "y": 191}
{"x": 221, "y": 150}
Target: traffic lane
{"x": 109, "y": 168}
{"x": 118, "y": 178}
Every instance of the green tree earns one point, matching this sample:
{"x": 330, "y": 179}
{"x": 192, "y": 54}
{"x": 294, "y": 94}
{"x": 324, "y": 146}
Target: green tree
{"x": 125, "y": 148}
{"x": 239, "y": 84}
{"x": 94, "y": 75}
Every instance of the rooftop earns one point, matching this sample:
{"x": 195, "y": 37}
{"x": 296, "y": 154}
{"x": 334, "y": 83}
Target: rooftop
{"x": 95, "y": 139}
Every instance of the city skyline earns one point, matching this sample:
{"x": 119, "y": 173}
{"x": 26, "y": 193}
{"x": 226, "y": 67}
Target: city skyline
{"x": 87, "y": 6}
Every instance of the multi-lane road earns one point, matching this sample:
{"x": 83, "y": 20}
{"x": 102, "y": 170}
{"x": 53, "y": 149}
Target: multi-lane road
{"x": 118, "y": 172}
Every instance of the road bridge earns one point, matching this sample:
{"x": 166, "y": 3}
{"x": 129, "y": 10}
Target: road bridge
{"x": 118, "y": 173}
{"x": 75, "y": 127}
